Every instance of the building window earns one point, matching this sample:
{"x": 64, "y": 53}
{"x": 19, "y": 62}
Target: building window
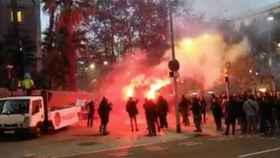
{"x": 19, "y": 16}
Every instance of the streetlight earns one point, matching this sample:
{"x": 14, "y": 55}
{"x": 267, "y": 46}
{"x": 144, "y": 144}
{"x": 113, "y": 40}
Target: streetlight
{"x": 105, "y": 63}
{"x": 250, "y": 71}
{"x": 92, "y": 66}
{"x": 270, "y": 20}
{"x": 174, "y": 67}
{"x": 278, "y": 45}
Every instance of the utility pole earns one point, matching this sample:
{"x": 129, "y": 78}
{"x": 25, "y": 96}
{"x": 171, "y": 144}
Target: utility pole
{"x": 270, "y": 19}
{"x": 174, "y": 67}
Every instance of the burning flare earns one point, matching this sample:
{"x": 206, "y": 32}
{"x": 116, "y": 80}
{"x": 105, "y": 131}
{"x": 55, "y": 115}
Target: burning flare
{"x": 149, "y": 86}
{"x": 155, "y": 88}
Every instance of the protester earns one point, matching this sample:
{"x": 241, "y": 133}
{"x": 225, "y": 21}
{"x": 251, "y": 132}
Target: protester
{"x": 131, "y": 109}
{"x": 150, "y": 112}
{"x": 184, "y": 110}
{"x": 230, "y": 115}
{"x": 251, "y": 109}
{"x": 217, "y": 112}
{"x": 13, "y": 85}
{"x": 277, "y": 104}
{"x": 90, "y": 113}
{"x": 196, "y": 110}
{"x": 162, "y": 109}
{"x": 203, "y": 104}
{"x": 241, "y": 116}
{"x": 104, "y": 111}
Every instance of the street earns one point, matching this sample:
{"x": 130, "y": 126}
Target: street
{"x": 81, "y": 142}
{"x": 211, "y": 147}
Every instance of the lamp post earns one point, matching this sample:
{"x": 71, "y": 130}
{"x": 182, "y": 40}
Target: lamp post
{"x": 270, "y": 19}
{"x": 174, "y": 67}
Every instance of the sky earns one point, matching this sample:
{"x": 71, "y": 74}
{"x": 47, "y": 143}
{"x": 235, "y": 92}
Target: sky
{"x": 225, "y": 8}
{"x": 214, "y": 8}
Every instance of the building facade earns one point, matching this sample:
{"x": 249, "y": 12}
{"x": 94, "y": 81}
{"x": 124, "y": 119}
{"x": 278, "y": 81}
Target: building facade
{"x": 27, "y": 15}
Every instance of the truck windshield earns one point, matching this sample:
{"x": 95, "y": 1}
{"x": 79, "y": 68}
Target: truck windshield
{"x": 14, "y": 106}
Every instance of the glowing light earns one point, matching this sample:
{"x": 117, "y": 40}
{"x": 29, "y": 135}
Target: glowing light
{"x": 211, "y": 92}
{"x": 187, "y": 45}
{"x": 92, "y": 66}
{"x": 206, "y": 36}
{"x": 105, "y": 63}
{"x": 149, "y": 86}
{"x": 128, "y": 91}
{"x": 194, "y": 93}
{"x": 270, "y": 18}
{"x": 250, "y": 71}
{"x": 155, "y": 87}
{"x": 262, "y": 90}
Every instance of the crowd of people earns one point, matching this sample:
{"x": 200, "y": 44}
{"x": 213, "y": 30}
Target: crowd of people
{"x": 258, "y": 113}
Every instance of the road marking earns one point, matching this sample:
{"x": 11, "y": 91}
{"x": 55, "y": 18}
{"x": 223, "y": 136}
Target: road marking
{"x": 155, "y": 148}
{"x": 116, "y": 148}
{"x": 223, "y": 138}
{"x": 259, "y": 152}
{"x": 120, "y": 154}
{"x": 30, "y": 155}
{"x": 190, "y": 143}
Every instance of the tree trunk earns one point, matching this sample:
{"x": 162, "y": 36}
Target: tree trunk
{"x": 69, "y": 51}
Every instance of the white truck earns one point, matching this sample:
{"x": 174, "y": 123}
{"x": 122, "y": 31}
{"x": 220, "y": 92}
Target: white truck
{"x": 31, "y": 114}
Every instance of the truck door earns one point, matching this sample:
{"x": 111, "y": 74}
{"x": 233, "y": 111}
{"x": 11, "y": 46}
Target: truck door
{"x": 37, "y": 112}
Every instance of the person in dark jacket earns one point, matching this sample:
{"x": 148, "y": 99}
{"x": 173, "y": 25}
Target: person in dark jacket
{"x": 203, "y": 104}
{"x": 90, "y": 113}
{"x": 230, "y": 115}
{"x": 104, "y": 111}
{"x": 196, "y": 110}
{"x": 184, "y": 110}
{"x": 267, "y": 110}
{"x": 277, "y": 104}
{"x": 13, "y": 85}
{"x": 150, "y": 112}
{"x": 217, "y": 112}
{"x": 241, "y": 115}
{"x": 131, "y": 109}
{"x": 162, "y": 109}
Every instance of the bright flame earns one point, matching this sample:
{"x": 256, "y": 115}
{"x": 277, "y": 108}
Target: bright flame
{"x": 155, "y": 87}
{"x": 128, "y": 91}
{"x": 148, "y": 87}
{"x": 262, "y": 90}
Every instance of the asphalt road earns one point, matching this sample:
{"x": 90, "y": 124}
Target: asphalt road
{"x": 200, "y": 147}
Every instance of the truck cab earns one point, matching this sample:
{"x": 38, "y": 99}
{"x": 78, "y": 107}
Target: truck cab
{"x": 21, "y": 115}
